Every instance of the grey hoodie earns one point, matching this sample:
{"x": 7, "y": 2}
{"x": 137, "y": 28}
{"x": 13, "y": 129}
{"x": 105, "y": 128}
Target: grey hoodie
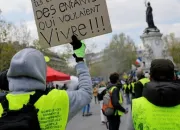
{"x": 27, "y": 73}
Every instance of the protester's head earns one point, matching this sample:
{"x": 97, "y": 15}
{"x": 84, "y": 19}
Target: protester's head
{"x": 162, "y": 70}
{"x": 27, "y": 71}
{"x": 140, "y": 73}
{"x": 149, "y": 4}
{"x": 114, "y": 78}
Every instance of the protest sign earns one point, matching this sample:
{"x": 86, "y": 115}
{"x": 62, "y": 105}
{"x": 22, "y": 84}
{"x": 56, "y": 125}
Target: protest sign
{"x": 58, "y": 20}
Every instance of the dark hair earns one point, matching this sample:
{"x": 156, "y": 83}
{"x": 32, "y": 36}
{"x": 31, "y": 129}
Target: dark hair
{"x": 148, "y": 3}
{"x": 114, "y": 78}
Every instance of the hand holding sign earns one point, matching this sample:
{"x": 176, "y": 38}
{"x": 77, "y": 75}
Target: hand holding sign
{"x": 58, "y": 20}
{"x": 79, "y": 48}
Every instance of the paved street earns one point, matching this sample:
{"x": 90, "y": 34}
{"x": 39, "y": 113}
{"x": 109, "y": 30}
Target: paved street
{"x": 93, "y": 122}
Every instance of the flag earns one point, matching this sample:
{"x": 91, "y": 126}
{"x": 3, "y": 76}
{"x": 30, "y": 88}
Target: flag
{"x": 138, "y": 61}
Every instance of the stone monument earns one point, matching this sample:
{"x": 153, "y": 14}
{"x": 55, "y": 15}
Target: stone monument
{"x": 154, "y": 46}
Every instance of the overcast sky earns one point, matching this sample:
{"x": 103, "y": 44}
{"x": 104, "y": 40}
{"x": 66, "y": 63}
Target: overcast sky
{"x": 126, "y": 16}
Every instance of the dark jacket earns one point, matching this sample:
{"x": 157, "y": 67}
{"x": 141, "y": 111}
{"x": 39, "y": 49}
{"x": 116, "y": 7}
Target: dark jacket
{"x": 165, "y": 94}
{"x": 115, "y": 98}
{"x": 4, "y": 85}
{"x": 138, "y": 88}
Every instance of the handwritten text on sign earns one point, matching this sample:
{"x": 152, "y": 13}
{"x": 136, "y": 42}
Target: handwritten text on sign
{"x": 58, "y": 20}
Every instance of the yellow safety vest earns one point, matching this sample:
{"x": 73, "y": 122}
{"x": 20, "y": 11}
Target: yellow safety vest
{"x": 120, "y": 101}
{"x": 147, "y": 116}
{"x": 53, "y": 108}
{"x": 144, "y": 81}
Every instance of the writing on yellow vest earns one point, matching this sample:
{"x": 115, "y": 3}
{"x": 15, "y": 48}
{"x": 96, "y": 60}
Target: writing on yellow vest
{"x": 53, "y": 108}
{"x": 144, "y": 81}
{"x": 147, "y": 116}
{"x": 117, "y": 112}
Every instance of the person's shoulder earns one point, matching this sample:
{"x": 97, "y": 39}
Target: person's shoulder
{"x": 138, "y": 83}
{"x": 2, "y": 96}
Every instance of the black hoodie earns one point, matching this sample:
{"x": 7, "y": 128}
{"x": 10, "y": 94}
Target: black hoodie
{"x": 164, "y": 94}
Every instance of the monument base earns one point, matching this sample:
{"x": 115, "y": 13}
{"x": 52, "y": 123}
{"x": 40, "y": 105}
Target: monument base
{"x": 154, "y": 47}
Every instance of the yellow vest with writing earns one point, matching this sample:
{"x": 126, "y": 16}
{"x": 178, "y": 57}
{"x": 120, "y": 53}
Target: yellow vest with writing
{"x": 53, "y": 108}
{"x": 120, "y": 102}
{"x": 147, "y": 116}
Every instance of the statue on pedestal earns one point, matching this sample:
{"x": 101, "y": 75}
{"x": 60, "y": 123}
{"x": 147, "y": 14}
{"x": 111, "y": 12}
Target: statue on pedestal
{"x": 154, "y": 46}
{"x": 149, "y": 16}
{"x": 149, "y": 19}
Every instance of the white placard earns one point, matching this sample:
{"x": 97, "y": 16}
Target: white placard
{"x": 58, "y": 20}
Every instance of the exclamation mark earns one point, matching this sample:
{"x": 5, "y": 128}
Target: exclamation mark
{"x": 91, "y": 25}
{"x": 102, "y": 22}
{"x": 97, "y": 23}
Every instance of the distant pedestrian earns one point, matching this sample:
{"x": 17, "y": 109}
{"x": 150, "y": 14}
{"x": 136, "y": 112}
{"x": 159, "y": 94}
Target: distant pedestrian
{"x": 101, "y": 93}
{"x": 140, "y": 84}
{"x": 95, "y": 93}
{"x": 126, "y": 88}
{"x": 57, "y": 86}
{"x": 86, "y": 110}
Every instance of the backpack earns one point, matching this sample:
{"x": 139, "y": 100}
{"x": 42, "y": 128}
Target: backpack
{"x": 107, "y": 107}
{"x": 23, "y": 119}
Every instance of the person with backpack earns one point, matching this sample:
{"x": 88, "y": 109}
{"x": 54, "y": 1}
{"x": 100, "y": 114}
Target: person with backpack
{"x": 29, "y": 106}
{"x": 112, "y": 103}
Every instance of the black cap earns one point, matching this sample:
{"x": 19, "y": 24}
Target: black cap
{"x": 162, "y": 69}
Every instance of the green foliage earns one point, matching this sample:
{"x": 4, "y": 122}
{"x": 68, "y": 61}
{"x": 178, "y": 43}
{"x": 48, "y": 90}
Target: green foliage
{"x": 7, "y": 51}
{"x": 174, "y": 47}
{"x": 118, "y": 56}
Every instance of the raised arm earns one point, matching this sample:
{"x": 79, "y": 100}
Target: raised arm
{"x": 81, "y": 97}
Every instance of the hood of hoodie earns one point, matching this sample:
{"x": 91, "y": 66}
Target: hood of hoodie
{"x": 164, "y": 94}
{"x": 27, "y": 71}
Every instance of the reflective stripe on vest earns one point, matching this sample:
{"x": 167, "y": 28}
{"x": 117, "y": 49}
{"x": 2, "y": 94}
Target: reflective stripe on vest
{"x": 53, "y": 108}
{"x": 129, "y": 86}
{"x": 120, "y": 101}
{"x": 144, "y": 81}
{"x": 132, "y": 84}
{"x": 147, "y": 116}
{"x": 125, "y": 86}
